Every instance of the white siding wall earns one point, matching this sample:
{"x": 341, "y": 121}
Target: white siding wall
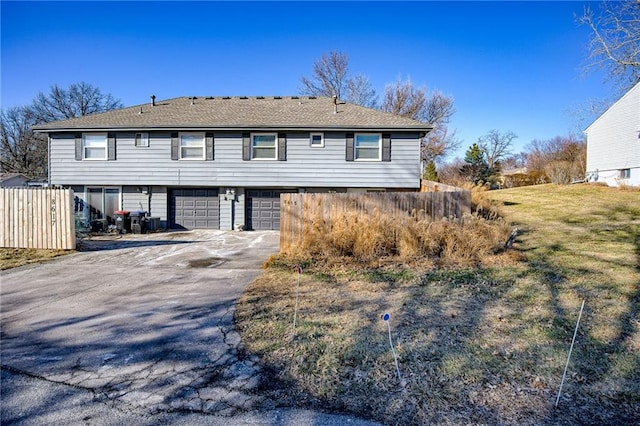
{"x": 613, "y": 142}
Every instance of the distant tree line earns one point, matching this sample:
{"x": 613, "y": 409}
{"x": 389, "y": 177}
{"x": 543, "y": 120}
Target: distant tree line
{"x": 559, "y": 160}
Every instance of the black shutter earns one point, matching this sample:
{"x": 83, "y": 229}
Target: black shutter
{"x": 282, "y": 147}
{"x": 175, "y": 146}
{"x": 246, "y": 146}
{"x": 386, "y": 147}
{"x": 209, "y": 146}
{"x": 111, "y": 146}
{"x": 78, "y": 146}
{"x": 350, "y": 152}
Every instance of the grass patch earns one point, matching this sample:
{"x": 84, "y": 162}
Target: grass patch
{"x": 14, "y": 257}
{"x": 479, "y": 343}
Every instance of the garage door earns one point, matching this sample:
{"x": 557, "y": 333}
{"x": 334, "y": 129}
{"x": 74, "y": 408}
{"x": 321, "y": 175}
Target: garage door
{"x": 263, "y": 209}
{"x": 195, "y": 208}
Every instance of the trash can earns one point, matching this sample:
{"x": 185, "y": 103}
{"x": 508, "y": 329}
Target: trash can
{"x": 123, "y": 221}
{"x": 138, "y": 222}
{"x": 152, "y": 223}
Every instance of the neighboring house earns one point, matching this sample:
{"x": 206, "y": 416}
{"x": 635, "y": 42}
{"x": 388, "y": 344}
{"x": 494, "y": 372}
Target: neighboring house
{"x": 9, "y": 180}
{"x": 222, "y": 162}
{"x": 613, "y": 143}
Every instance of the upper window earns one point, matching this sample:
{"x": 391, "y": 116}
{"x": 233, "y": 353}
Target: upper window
{"x": 192, "y": 146}
{"x": 142, "y": 139}
{"x": 94, "y": 146}
{"x": 316, "y": 140}
{"x": 367, "y": 146}
{"x": 264, "y": 146}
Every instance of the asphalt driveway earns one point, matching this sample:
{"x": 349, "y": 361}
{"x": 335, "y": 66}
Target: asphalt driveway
{"x": 142, "y": 324}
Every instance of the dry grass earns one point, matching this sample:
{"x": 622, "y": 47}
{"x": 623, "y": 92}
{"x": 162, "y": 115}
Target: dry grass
{"x": 477, "y": 344}
{"x": 361, "y": 237}
{"x": 14, "y": 257}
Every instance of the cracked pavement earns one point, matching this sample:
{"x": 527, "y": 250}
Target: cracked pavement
{"x": 142, "y": 324}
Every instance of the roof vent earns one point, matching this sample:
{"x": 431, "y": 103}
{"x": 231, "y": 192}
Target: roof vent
{"x": 244, "y": 97}
{"x": 153, "y": 100}
{"x": 259, "y": 97}
{"x": 140, "y": 110}
{"x": 277, "y": 97}
{"x": 335, "y": 104}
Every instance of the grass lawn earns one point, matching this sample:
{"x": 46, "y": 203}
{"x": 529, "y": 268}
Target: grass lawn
{"x": 14, "y": 257}
{"x": 475, "y": 345}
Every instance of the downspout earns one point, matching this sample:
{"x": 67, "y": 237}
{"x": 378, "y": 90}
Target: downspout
{"x": 48, "y": 159}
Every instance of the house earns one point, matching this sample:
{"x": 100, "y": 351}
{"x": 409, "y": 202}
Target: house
{"x": 8, "y": 180}
{"x": 222, "y": 162}
{"x": 613, "y": 143}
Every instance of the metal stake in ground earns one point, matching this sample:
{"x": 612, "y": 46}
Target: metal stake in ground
{"x": 570, "y": 350}
{"x": 386, "y": 318}
{"x": 295, "y": 310}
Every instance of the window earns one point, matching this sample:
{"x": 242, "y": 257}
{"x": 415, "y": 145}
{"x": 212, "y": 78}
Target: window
{"x": 192, "y": 146}
{"x": 142, "y": 139}
{"x": 367, "y": 146}
{"x": 101, "y": 203}
{"x": 264, "y": 146}
{"x": 94, "y": 146}
{"x": 625, "y": 173}
{"x": 316, "y": 140}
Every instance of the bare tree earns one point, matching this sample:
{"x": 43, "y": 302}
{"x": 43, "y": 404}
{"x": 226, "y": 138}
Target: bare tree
{"x": 360, "y": 92}
{"x": 329, "y": 77}
{"x": 405, "y": 99}
{"x": 435, "y": 108}
{"x": 21, "y": 151}
{"x": 615, "y": 40}
{"x": 78, "y": 100}
{"x": 496, "y": 146}
{"x": 558, "y": 160}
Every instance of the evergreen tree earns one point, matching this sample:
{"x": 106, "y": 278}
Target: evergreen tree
{"x": 475, "y": 168}
{"x": 430, "y": 172}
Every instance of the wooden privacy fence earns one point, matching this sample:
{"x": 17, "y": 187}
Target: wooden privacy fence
{"x": 431, "y": 186}
{"x": 299, "y": 211}
{"x": 40, "y": 218}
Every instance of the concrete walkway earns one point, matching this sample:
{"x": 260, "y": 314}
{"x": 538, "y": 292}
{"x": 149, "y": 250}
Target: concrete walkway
{"x": 142, "y": 326}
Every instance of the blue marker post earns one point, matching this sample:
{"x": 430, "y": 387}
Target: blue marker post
{"x": 386, "y": 317}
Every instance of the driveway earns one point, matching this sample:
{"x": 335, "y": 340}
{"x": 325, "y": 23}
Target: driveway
{"x": 142, "y": 325}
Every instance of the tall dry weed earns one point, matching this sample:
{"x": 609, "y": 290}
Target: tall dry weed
{"x": 365, "y": 237}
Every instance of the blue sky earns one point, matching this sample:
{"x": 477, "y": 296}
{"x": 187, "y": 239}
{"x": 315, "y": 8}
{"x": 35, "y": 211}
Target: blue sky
{"x": 510, "y": 66}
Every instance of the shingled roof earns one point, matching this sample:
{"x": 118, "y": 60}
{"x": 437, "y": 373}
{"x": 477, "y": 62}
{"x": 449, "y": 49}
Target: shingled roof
{"x": 226, "y": 113}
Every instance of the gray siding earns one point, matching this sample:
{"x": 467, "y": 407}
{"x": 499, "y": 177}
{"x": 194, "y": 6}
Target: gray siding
{"x": 155, "y": 202}
{"x": 225, "y": 210}
{"x": 305, "y": 166}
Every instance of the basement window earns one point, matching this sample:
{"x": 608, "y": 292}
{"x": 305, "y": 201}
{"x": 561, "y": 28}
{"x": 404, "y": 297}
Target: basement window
{"x": 625, "y": 173}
